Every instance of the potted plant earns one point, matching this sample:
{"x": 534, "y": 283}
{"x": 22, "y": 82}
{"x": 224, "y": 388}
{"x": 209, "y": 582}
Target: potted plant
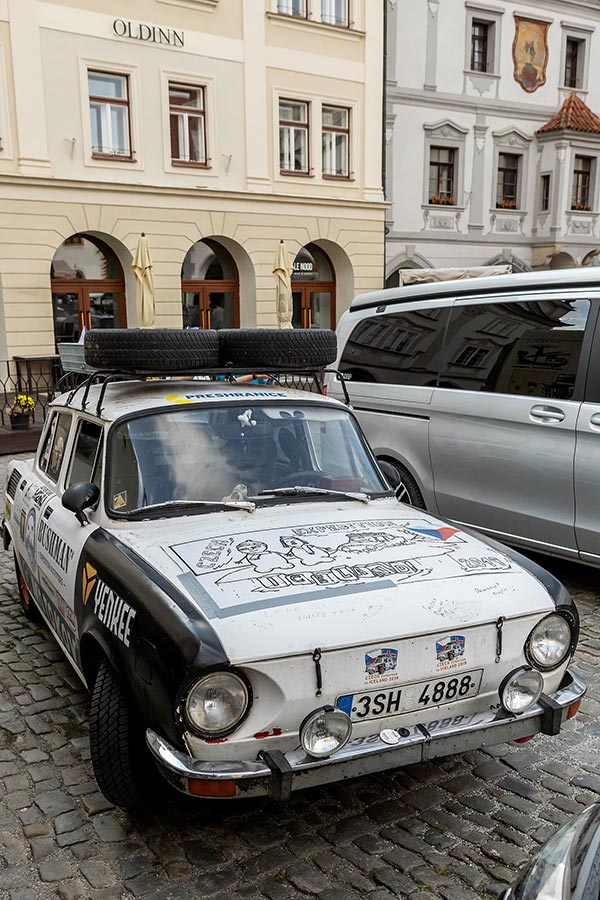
{"x": 22, "y": 409}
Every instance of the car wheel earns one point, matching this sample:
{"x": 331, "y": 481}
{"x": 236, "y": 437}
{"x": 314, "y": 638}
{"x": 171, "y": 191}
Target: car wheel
{"x": 28, "y": 606}
{"x": 403, "y": 484}
{"x": 285, "y": 348}
{"x": 155, "y": 349}
{"x": 122, "y": 765}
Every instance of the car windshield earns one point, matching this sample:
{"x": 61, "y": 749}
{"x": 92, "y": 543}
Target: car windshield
{"x": 234, "y": 452}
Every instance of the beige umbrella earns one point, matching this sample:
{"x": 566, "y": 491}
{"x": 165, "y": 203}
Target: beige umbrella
{"x": 142, "y": 268}
{"x": 283, "y": 277}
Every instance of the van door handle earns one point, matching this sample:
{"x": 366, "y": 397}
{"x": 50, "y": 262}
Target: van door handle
{"x": 549, "y": 415}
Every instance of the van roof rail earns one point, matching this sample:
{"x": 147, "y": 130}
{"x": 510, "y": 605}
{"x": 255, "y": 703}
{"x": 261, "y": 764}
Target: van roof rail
{"x": 498, "y": 284}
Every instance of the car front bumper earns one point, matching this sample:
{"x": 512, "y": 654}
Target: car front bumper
{"x": 277, "y": 774}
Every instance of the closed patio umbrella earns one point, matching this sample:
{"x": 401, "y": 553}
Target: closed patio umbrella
{"x": 283, "y": 277}
{"x": 142, "y": 267}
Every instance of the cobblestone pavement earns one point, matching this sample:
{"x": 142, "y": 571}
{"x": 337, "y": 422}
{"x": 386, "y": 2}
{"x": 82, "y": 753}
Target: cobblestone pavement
{"x": 455, "y": 829}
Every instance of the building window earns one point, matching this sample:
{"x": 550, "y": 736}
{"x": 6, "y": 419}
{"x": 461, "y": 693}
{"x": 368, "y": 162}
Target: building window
{"x": 187, "y": 124}
{"x": 479, "y": 46}
{"x": 441, "y": 175}
{"x": 507, "y": 194}
{"x": 472, "y": 356}
{"x": 292, "y": 8}
{"x": 335, "y": 12}
{"x": 293, "y": 137}
{"x": 573, "y": 62}
{"x": 545, "y": 193}
{"x": 109, "y": 115}
{"x": 336, "y": 142}
{"x": 582, "y": 180}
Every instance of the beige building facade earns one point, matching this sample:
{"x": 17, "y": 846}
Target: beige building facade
{"x": 215, "y": 127}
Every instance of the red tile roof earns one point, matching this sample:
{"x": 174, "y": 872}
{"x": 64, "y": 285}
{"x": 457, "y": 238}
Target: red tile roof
{"x": 573, "y": 115}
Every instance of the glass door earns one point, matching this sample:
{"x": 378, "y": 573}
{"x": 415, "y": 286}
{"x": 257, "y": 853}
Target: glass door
{"x": 102, "y": 310}
{"x": 320, "y": 309}
{"x": 67, "y": 307}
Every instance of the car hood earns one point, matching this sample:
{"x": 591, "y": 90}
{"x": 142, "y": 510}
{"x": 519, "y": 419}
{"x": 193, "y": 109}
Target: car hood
{"x": 296, "y": 576}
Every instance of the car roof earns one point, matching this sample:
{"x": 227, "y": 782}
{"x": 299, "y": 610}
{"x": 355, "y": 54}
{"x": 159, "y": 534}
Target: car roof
{"x": 125, "y": 397}
{"x": 446, "y": 290}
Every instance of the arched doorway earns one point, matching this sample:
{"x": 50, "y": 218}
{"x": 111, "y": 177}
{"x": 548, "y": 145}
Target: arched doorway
{"x": 210, "y": 287}
{"x": 88, "y": 288}
{"x": 313, "y": 289}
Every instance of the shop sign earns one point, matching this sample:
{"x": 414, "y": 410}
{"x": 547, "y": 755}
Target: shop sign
{"x": 154, "y": 34}
{"x": 304, "y": 266}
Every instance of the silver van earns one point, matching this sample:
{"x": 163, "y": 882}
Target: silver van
{"x": 481, "y": 399}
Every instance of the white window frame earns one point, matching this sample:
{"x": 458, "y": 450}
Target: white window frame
{"x": 327, "y": 13}
{"x": 211, "y": 170}
{"x": 515, "y": 142}
{"x": 305, "y": 127}
{"x": 583, "y": 35}
{"x": 451, "y": 137}
{"x": 492, "y": 17}
{"x": 86, "y": 65}
{"x": 588, "y": 154}
{"x": 285, "y": 8}
{"x": 348, "y": 133}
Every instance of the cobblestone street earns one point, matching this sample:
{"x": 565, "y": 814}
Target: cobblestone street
{"x": 455, "y": 829}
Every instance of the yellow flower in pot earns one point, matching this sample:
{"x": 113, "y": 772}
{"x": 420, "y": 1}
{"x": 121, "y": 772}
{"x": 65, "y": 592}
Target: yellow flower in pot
{"x": 22, "y": 408}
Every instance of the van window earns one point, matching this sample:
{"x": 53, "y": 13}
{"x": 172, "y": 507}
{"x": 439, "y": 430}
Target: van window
{"x": 86, "y": 453}
{"x": 396, "y": 348}
{"x": 532, "y": 347}
{"x": 54, "y": 446}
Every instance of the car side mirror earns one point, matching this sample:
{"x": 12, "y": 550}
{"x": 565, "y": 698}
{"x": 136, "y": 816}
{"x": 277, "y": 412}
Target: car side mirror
{"x": 79, "y": 497}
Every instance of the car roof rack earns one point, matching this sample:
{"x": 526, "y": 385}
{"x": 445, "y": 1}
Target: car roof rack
{"x": 104, "y": 378}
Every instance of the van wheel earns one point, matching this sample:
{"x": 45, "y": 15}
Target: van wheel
{"x": 404, "y": 485}
{"x": 28, "y": 606}
{"x": 122, "y": 764}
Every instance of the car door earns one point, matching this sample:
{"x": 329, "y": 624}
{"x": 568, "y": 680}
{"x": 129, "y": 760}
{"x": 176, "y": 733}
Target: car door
{"x": 391, "y": 365}
{"x": 587, "y": 454}
{"x": 53, "y": 538}
{"x": 502, "y": 435}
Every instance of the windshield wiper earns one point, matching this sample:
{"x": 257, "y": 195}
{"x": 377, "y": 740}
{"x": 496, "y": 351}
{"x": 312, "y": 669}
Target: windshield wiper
{"x": 298, "y": 489}
{"x": 244, "y": 505}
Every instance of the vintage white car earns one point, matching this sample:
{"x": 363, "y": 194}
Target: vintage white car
{"x": 251, "y": 607}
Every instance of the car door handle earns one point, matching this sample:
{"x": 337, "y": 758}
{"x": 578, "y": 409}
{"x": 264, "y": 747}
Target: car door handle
{"x": 549, "y": 415}
{"x": 595, "y": 420}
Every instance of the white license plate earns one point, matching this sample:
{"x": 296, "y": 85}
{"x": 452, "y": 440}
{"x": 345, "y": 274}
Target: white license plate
{"x": 409, "y": 697}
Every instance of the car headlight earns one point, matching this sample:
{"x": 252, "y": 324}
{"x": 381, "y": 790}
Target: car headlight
{"x": 520, "y": 690}
{"x": 549, "y": 642}
{"x": 325, "y": 731}
{"x": 217, "y": 703}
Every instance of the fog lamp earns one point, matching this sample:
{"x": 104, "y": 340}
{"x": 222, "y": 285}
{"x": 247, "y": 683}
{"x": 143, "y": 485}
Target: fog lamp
{"x": 520, "y": 690}
{"x": 325, "y": 731}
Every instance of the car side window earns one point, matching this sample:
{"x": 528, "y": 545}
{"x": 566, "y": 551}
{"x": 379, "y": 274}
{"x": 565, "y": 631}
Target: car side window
{"x": 85, "y": 459}
{"x": 530, "y": 347}
{"x": 54, "y": 447}
{"x": 396, "y": 347}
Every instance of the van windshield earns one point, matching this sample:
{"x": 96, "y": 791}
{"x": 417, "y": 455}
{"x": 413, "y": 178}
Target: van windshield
{"x": 214, "y": 455}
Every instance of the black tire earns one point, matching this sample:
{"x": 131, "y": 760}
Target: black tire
{"x": 283, "y": 349}
{"x": 30, "y": 610}
{"x": 151, "y": 349}
{"x": 403, "y": 484}
{"x": 122, "y": 764}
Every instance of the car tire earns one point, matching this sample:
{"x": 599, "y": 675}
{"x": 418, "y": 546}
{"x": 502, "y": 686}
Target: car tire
{"x": 403, "y": 484}
{"x": 122, "y": 764}
{"x": 30, "y": 610}
{"x": 283, "y": 349}
{"x": 151, "y": 349}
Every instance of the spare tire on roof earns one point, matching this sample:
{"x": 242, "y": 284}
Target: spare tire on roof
{"x": 151, "y": 349}
{"x": 276, "y": 348}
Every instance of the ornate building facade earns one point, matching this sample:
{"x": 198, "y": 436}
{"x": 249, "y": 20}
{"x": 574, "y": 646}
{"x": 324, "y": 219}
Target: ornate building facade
{"x": 217, "y": 128}
{"x": 493, "y": 144}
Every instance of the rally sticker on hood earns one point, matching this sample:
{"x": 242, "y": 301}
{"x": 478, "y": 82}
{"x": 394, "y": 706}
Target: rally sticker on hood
{"x": 238, "y": 573}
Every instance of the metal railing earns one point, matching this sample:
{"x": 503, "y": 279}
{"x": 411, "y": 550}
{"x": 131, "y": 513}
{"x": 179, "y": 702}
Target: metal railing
{"x": 37, "y": 378}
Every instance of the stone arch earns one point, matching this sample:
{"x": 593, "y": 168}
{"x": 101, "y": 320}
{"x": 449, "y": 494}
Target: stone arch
{"x": 344, "y": 273}
{"x": 509, "y": 259}
{"x": 246, "y": 275}
{"x": 404, "y": 260}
